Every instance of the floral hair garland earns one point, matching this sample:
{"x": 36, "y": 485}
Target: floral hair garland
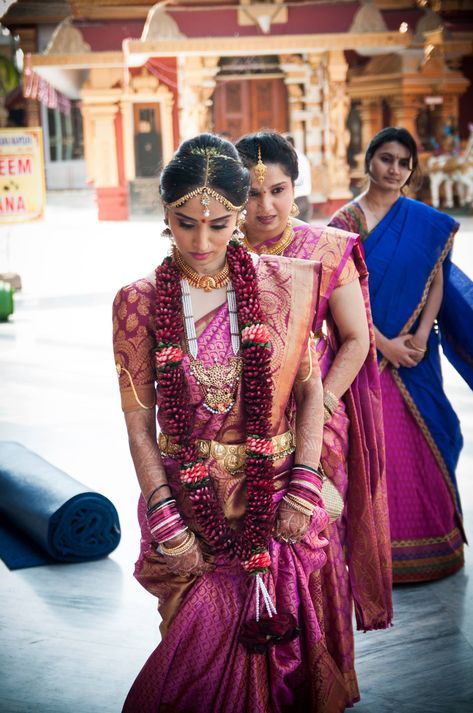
{"x": 250, "y": 544}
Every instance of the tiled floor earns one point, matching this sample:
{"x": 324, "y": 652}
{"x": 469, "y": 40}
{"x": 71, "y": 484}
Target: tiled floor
{"x": 73, "y": 637}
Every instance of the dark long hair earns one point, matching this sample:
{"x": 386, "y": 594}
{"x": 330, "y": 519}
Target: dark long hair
{"x": 403, "y": 137}
{"x": 186, "y": 171}
{"x": 274, "y": 149}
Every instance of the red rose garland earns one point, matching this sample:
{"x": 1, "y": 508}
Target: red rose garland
{"x": 250, "y": 544}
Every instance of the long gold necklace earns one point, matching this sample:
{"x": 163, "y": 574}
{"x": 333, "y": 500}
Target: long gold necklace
{"x": 277, "y": 248}
{"x": 202, "y": 282}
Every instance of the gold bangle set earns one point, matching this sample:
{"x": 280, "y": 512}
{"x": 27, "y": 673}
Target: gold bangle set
{"x": 180, "y": 549}
{"x": 330, "y": 404}
{"x": 297, "y": 503}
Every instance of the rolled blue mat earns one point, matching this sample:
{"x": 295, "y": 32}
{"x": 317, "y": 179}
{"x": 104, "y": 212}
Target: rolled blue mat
{"x": 47, "y": 516}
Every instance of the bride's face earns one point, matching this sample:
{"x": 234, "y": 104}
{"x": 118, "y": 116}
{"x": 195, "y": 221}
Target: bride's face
{"x": 202, "y": 240}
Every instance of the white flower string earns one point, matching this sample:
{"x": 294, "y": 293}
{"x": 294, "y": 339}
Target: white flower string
{"x": 261, "y": 587}
{"x": 189, "y": 323}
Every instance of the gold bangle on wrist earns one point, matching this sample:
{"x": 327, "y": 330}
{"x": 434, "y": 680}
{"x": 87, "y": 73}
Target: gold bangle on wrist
{"x": 288, "y": 499}
{"x": 180, "y": 549}
{"x": 330, "y": 402}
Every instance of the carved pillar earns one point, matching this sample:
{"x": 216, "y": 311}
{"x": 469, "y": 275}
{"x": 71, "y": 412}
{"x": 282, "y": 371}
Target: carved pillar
{"x": 295, "y": 76}
{"x": 371, "y": 114}
{"x": 337, "y": 134}
{"x": 404, "y": 111}
{"x": 196, "y": 81}
{"x": 314, "y": 125}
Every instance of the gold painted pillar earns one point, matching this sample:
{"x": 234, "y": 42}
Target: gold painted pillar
{"x": 337, "y": 135}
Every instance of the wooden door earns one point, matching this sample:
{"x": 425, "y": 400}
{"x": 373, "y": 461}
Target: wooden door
{"x": 148, "y": 139}
{"x": 242, "y": 106}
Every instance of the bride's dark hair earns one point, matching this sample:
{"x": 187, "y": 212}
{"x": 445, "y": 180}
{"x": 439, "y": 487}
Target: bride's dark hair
{"x": 186, "y": 171}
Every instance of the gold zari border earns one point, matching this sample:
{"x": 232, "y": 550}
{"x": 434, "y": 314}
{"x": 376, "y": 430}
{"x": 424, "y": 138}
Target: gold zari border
{"x": 428, "y": 540}
{"x": 425, "y": 294}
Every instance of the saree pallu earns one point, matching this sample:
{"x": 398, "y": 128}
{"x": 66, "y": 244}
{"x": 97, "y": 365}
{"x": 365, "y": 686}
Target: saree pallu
{"x": 200, "y": 666}
{"x": 353, "y": 458}
{"x": 423, "y": 438}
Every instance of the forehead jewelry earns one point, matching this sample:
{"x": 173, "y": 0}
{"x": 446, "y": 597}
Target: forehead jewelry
{"x": 206, "y": 193}
{"x": 260, "y": 168}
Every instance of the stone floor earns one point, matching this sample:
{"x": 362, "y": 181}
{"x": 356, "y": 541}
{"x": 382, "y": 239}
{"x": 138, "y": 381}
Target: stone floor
{"x": 72, "y": 637}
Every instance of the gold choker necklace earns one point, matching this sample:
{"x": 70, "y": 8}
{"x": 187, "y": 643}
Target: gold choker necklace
{"x": 277, "y": 248}
{"x": 201, "y": 282}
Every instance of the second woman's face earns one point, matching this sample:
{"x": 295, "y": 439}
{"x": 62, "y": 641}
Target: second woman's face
{"x": 269, "y": 203}
{"x": 202, "y": 240}
{"x": 390, "y": 166}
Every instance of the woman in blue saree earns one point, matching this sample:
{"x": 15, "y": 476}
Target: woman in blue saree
{"x": 419, "y": 299}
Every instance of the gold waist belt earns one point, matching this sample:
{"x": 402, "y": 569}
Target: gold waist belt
{"x": 230, "y": 456}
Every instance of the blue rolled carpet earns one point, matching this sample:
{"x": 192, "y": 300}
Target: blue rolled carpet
{"x": 46, "y": 516}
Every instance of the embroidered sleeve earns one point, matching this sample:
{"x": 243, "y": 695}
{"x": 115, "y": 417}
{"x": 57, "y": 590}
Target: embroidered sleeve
{"x": 133, "y": 345}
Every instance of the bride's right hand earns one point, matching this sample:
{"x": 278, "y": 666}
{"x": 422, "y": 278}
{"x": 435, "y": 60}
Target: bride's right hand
{"x": 191, "y": 563}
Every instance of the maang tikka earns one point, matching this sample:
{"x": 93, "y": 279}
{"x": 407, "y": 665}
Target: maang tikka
{"x": 205, "y": 192}
{"x": 260, "y": 168}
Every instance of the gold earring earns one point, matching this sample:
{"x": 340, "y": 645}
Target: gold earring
{"x": 294, "y": 210}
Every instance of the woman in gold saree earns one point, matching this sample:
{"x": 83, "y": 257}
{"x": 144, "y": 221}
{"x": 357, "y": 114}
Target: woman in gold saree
{"x": 230, "y": 511}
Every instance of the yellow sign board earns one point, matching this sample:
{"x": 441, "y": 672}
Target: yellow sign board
{"x": 22, "y": 186}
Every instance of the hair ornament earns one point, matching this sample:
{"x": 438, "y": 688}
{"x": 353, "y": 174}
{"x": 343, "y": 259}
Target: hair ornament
{"x": 205, "y": 192}
{"x": 260, "y": 168}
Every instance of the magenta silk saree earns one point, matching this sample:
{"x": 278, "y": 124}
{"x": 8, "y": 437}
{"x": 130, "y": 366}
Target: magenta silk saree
{"x": 200, "y": 666}
{"x": 353, "y": 458}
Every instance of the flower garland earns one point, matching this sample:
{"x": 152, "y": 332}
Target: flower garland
{"x": 250, "y": 544}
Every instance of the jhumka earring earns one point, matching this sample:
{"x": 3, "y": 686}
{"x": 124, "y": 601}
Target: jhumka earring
{"x": 260, "y": 168}
{"x": 294, "y": 210}
{"x": 166, "y": 233}
{"x": 238, "y": 234}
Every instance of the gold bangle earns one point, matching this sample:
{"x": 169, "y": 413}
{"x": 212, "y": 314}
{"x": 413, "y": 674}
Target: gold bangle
{"x": 330, "y": 401}
{"x": 295, "y": 506}
{"x": 180, "y": 549}
{"x": 327, "y": 415}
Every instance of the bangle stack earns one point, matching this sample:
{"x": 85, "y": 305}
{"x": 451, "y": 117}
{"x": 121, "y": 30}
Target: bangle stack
{"x": 164, "y": 520}
{"x": 330, "y": 405}
{"x": 179, "y": 549}
{"x": 305, "y": 489}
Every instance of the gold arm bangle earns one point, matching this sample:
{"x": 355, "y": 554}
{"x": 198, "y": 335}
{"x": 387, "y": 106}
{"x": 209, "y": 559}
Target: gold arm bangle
{"x": 309, "y": 344}
{"x": 121, "y": 368}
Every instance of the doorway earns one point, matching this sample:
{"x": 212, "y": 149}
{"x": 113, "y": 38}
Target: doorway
{"x": 148, "y": 140}
{"x": 246, "y": 105}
